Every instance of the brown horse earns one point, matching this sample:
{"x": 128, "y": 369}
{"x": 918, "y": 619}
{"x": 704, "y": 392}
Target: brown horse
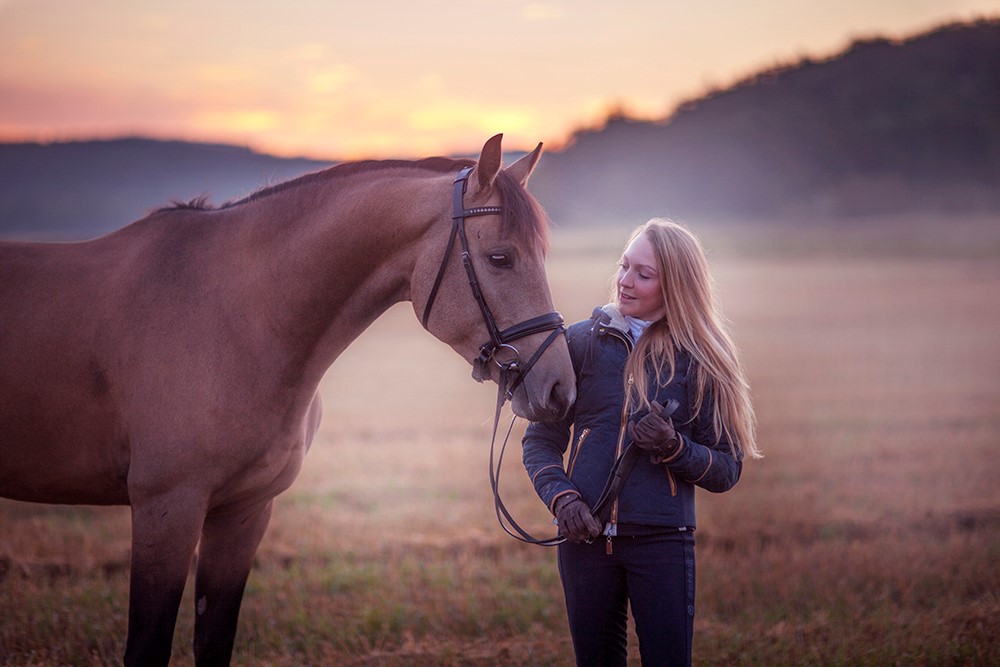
{"x": 173, "y": 365}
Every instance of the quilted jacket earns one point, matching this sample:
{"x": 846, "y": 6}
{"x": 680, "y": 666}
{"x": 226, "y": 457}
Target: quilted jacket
{"x": 655, "y": 496}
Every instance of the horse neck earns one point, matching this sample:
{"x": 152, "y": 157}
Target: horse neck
{"x": 331, "y": 258}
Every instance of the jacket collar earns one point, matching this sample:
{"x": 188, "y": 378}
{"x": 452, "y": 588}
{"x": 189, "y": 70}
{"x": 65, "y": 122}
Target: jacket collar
{"x": 611, "y": 317}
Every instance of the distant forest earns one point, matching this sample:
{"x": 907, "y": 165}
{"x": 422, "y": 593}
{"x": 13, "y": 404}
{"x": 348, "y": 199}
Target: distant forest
{"x": 884, "y": 127}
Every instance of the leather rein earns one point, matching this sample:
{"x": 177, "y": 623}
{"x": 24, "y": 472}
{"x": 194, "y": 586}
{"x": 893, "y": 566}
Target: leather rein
{"x": 498, "y": 349}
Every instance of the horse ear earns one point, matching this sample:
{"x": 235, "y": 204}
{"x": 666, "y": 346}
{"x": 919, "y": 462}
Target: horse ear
{"x": 489, "y": 162}
{"x": 522, "y": 169}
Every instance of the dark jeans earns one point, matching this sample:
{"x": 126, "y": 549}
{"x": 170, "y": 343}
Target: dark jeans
{"x": 652, "y": 573}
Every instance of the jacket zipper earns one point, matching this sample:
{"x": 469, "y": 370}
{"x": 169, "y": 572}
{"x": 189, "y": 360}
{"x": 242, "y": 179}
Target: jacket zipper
{"x": 612, "y": 528}
{"x": 576, "y": 453}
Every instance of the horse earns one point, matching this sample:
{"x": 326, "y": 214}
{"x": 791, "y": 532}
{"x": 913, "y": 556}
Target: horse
{"x": 173, "y": 365}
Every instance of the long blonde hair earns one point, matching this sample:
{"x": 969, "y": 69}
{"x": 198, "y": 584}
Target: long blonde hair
{"x": 692, "y": 323}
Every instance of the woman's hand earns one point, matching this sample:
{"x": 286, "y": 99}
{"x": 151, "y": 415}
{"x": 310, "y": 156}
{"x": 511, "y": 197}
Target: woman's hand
{"x": 576, "y": 522}
{"x": 655, "y": 434}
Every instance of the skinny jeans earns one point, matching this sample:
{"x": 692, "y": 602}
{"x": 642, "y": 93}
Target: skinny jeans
{"x": 652, "y": 573}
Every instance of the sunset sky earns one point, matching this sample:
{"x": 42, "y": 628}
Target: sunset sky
{"x": 339, "y": 79}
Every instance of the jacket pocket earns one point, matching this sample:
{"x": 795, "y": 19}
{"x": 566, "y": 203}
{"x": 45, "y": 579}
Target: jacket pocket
{"x": 576, "y": 450}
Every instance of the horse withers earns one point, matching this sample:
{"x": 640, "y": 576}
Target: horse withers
{"x": 173, "y": 365}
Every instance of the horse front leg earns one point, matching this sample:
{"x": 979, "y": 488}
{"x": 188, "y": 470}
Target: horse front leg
{"x": 225, "y": 556}
{"x": 165, "y": 531}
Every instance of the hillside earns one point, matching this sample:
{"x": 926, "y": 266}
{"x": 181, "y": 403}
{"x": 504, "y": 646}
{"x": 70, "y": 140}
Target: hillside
{"x": 884, "y": 127}
{"x": 82, "y": 189}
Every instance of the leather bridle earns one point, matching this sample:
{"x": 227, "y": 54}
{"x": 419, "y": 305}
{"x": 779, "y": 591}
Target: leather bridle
{"x": 499, "y": 350}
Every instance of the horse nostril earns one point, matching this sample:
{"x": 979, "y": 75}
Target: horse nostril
{"x": 560, "y": 400}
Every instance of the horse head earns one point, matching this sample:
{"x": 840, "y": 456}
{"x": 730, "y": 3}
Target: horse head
{"x": 488, "y": 296}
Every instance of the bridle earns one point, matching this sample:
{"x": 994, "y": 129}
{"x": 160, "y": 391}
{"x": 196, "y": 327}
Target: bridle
{"x": 498, "y": 349}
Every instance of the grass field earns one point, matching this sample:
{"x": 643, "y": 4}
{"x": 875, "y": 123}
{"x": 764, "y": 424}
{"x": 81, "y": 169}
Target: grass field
{"x": 869, "y": 535}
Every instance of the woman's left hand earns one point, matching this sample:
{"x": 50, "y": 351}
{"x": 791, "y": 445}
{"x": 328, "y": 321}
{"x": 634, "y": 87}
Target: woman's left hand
{"x": 655, "y": 434}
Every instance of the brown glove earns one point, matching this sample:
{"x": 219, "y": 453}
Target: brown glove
{"x": 576, "y": 522}
{"x": 655, "y": 434}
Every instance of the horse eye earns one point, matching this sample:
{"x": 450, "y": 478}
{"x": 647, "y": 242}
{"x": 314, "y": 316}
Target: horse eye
{"x": 500, "y": 261}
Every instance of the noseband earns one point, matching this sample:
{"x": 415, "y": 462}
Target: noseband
{"x": 499, "y": 348}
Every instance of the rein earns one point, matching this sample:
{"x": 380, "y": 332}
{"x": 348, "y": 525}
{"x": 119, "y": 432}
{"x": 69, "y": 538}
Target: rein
{"x": 504, "y": 517}
{"x": 498, "y": 349}
{"x": 602, "y": 508}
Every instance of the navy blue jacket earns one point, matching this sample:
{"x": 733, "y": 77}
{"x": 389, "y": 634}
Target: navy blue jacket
{"x": 655, "y": 495}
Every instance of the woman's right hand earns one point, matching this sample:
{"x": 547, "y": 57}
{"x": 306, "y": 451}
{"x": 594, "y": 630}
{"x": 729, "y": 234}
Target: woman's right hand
{"x": 576, "y": 522}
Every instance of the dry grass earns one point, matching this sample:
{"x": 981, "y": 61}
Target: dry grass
{"x": 869, "y": 534}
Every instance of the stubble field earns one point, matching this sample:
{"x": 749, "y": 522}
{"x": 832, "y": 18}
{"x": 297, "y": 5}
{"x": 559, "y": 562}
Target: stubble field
{"x": 869, "y": 535}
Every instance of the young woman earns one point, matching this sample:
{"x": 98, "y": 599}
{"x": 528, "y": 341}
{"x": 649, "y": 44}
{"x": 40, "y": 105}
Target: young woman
{"x": 662, "y": 339}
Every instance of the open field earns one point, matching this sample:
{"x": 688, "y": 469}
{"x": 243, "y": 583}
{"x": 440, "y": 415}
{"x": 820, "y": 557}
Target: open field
{"x": 869, "y": 535}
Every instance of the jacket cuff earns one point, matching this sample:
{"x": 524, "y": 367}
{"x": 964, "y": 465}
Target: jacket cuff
{"x": 674, "y": 456}
{"x": 561, "y": 494}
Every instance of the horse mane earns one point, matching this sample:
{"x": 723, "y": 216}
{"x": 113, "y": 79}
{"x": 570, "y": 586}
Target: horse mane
{"x": 523, "y": 216}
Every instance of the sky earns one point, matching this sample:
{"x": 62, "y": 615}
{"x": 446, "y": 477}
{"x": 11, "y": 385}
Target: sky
{"x": 346, "y": 79}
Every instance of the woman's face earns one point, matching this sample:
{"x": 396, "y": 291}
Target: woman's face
{"x": 639, "y": 294}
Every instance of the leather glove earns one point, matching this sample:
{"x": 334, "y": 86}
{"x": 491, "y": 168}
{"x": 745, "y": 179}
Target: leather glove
{"x": 576, "y": 522}
{"x": 655, "y": 434}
